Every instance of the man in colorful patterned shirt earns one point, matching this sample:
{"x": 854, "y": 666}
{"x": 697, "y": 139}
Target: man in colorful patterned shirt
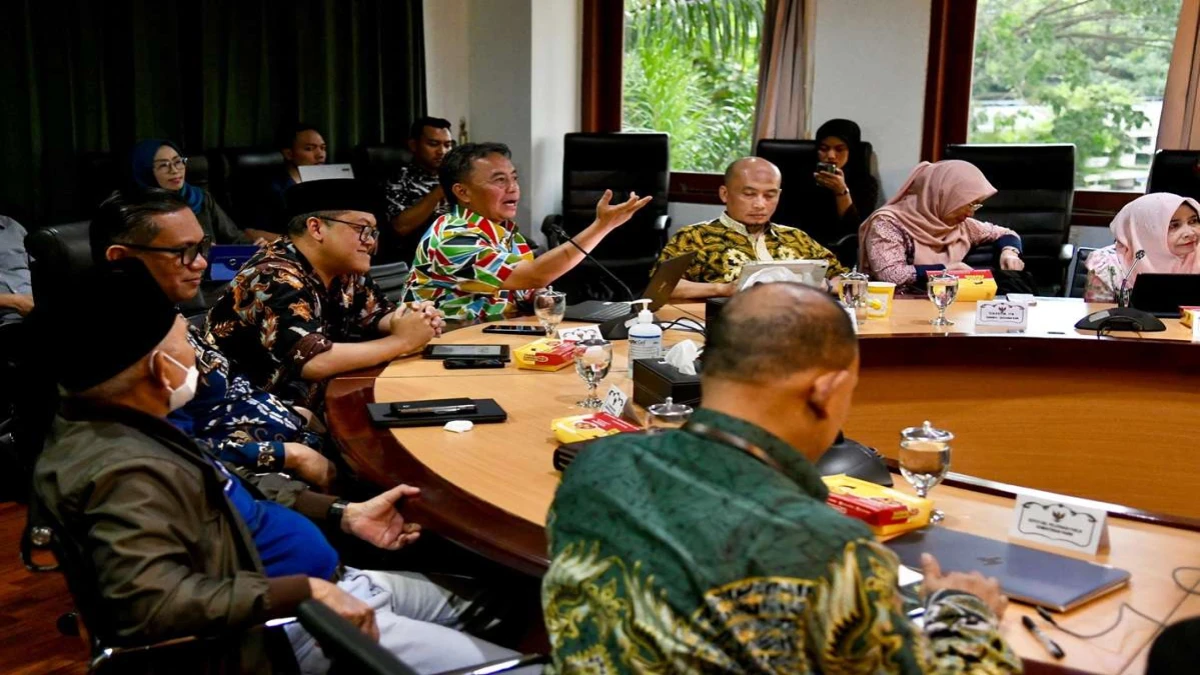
{"x": 305, "y": 309}
{"x": 711, "y": 549}
{"x": 473, "y": 264}
{"x": 744, "y": 233}
{"x": 414, "y": 196}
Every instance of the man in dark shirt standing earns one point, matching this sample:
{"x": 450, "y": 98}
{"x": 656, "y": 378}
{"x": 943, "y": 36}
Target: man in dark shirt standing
{"x": 414, "y": 196}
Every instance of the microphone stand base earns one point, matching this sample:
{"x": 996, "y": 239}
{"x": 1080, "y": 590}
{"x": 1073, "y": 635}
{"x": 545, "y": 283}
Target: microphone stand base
{"x": 1121, "y": 319}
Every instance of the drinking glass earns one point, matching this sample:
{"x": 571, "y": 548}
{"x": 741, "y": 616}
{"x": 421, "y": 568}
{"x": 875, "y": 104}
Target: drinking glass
{"x": 549, "y": 305}
{"x": 943, "y": 289}
{"x": 853, "y": 294}
{"x": 593, "y": 359}
{"x": 925, "y": 460}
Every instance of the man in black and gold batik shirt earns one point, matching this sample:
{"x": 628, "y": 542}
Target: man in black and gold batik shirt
{"x": 710, "y": 548}
{"x": 744, "y": 233}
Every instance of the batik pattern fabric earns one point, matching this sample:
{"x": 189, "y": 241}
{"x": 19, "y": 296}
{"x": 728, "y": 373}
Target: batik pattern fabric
{"x": 277, "y": 315}
{"x": 461, "y": 263}
{"x": 235, "y": 420}
{"x": 724, "y": 245}
{"x": 409, "y": 186}
{"x": 673, "y": 553}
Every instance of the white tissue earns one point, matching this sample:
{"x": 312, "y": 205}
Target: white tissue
{"x": 683, "y": 357}
{"x": 459, "y": 426}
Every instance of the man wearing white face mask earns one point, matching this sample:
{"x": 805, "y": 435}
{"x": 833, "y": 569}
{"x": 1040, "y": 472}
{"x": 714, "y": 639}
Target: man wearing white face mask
{"x": 178, "y": 543}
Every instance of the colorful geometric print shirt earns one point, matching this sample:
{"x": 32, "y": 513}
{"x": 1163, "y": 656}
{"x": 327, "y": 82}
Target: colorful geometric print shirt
{"x": 277, "y": 315}
{"x": 673, "y": 553}
{"x": 724, "y": 245}
{"x": 461, "y": 263}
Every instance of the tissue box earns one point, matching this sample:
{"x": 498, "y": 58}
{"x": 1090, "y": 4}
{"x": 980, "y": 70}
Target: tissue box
{"x": 655, "y": 379}
{"x": 974, "y": 285}
{"x": 545, "y": 354}
{"x": 886, "y": 511}
{"x": 592, "y": 425}
{"x": 712, "y": 309}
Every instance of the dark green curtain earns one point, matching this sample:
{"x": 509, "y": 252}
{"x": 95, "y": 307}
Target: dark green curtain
{"x": 95, "y": 76}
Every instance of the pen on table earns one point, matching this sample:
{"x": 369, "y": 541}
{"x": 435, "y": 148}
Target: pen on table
{"x": 439, "y": 409}
{"x": 1050, "y": 645}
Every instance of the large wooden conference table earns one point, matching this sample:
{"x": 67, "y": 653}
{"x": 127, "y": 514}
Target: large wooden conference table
{"x": 1055, "y": 409}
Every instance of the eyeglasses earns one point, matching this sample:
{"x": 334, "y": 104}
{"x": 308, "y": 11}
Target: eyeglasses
{"x": 187, "y": 254}
{"x": 974, "y": 206}
{"x": 176, "y": 164}
{"x": 367, "y": 234}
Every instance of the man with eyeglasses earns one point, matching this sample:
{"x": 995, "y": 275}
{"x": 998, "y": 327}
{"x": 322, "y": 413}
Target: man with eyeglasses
{"x": 238, "y": 422}
{"x": 305, "y": 308}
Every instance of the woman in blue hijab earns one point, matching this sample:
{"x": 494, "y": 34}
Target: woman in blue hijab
{"x": 157, "y": 163}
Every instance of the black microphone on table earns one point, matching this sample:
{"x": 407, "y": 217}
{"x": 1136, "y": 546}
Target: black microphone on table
{"x": 1123, "y": 294}
{"x": 1122, "y": 317}
{"x": 558, "y": 229}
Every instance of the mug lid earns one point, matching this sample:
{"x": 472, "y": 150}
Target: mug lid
{"x": 926, "y": 432}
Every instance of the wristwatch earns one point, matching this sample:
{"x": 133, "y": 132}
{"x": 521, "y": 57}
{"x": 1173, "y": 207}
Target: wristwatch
{"x": 266, "y": 457}
{"x": 336, "y": 512}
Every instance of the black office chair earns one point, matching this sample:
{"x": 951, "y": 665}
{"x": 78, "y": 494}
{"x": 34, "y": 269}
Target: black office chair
{"x": 797, "y": 160}
{"x": 244, "y": 174}
{"x": 1175, "y": 171}
{"x": 57, "y": 253}
{"x": 351, "y": 651}
{"x": 623, "y": 163}
{"x": 109, "y": 655}
{"x": 391, "y": 279}
{"x": 1077, "y": 275}
{"x": 376, "y": 163}
{"x": 1035, "y": 187}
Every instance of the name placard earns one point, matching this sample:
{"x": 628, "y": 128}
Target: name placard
{"x": 580, "y": 333}
{"x": 1001, "y": 314}
{"x": 614, "y": 401}
{"x": 1058, "y": 521}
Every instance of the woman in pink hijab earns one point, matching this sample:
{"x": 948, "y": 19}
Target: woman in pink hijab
{"x": 1164, "y": 225}
{"x": 928, "y": 226}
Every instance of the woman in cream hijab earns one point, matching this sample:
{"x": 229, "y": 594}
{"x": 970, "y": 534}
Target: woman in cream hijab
{"x": 928, "y": 226}
{"x": 1164, "y": 225}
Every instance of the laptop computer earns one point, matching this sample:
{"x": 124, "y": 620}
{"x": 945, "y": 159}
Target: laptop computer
{"x": 1028, "y": 575}
{"x": 662, "y": 284}
{"x": 1164, "y": 294}
{"x": 807, "y": 272}
{"x": 325, "y": 172}
{"x": 224, "y": 261}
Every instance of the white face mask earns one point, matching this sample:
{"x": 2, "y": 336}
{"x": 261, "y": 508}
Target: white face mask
{"x": 186, "y": 391}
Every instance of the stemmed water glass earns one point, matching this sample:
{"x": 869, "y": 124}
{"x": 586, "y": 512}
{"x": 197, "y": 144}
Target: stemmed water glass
{"x": 943, "y": 289}
{"x": 925, "y": 460}
{"x": 593, "y": 359}
{"x": 549, "y": 305}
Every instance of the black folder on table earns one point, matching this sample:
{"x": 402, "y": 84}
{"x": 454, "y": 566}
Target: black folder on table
{"x": 487, "y": 411}
{"x": 1027, "y": 575}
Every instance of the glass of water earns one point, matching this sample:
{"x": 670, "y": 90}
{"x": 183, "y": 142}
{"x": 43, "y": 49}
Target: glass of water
{"x": 925, "y": 460}
{"x": 549, "y": 305}
{"x": 943, "y": 289}
{"x": 853, "y": 294}
{"x": 593, "y": 359}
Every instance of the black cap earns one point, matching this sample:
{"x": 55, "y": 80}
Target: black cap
{"x": 101, "y": 322}
{"x": 334, "y": 194}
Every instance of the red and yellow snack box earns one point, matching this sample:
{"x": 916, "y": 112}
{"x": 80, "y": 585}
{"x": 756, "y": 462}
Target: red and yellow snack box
{"x": 545, "y": 354}
{"x": 886, "y": 511}
{"x": 974, "y": 285}
{"x": 592, "y": 425}
{"x": 1187, "y": 315}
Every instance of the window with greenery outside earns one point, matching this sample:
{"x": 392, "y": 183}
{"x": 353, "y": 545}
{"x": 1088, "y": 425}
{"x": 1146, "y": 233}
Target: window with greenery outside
{"x": 1088, "y": 72}
{"x": 691, "y": 70}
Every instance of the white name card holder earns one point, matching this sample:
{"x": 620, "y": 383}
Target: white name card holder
{"x": 1001, "y": 315}
{"x": 614, "y": 401}
{"x": 1046, "y": 518}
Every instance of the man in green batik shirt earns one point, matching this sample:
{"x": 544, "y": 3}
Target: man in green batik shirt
{"x": 711, "y": 549}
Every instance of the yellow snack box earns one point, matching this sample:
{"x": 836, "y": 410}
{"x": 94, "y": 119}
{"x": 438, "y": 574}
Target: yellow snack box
{"x": 886, "y": 511}
{"x": 1187, "y": 315}
{"x": 545, "y": 354}
{"x": 585, "y": 427}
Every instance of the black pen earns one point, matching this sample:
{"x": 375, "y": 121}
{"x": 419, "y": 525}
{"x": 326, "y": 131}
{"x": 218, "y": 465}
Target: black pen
{"x": 1050, "y": 645}
{"x": 436, "y": 410}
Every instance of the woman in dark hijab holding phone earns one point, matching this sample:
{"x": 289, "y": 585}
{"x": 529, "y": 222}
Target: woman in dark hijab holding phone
{"x": 843, "y": 192}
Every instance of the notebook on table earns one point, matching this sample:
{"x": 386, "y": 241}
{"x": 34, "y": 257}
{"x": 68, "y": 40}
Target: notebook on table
{"x": 1027, "y": 575}
{"x": 662, "y": 284}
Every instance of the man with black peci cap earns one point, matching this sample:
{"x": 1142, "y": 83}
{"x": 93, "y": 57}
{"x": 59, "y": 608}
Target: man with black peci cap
{"x": 180, "y": 545}
{"x": 305, "y": 309}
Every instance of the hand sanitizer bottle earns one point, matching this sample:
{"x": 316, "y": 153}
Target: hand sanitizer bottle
{"x": 645, "y": 337}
